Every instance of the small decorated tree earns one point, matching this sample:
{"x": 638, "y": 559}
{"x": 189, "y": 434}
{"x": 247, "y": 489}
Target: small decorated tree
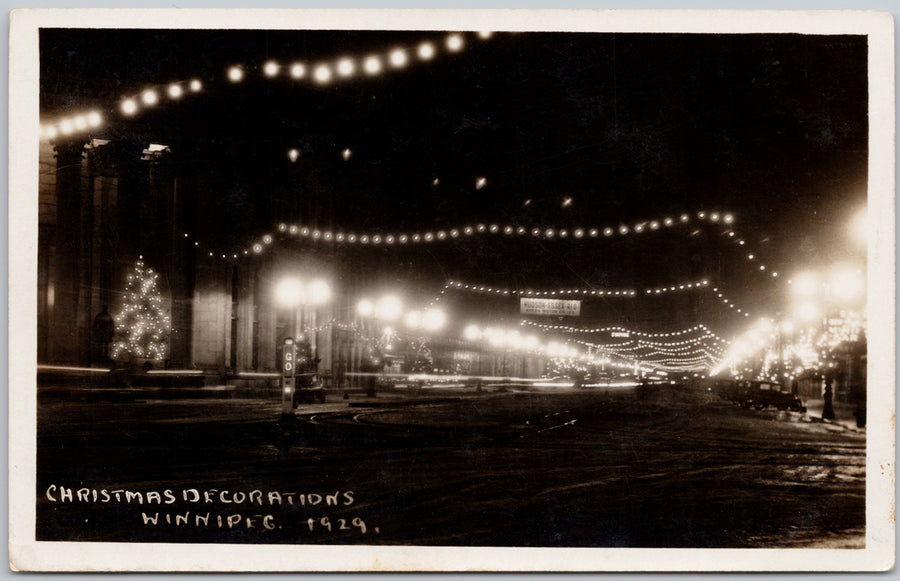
{"x": 142, "y": 326}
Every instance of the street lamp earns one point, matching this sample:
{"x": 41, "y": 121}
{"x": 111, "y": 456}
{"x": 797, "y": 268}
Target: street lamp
{"x": 294, "y": 294}
{"x": 845, "y": 285}
{"x": 389, "y": 308}
{"x": 289, "y": 292}
{"x": 318, "y": 292}
{"x": 365, "y": 308}
{"x": 434, "y": 319}
{"x": 806, "y": 285}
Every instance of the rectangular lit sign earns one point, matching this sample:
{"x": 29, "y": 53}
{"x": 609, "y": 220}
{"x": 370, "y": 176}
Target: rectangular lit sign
{"x": 288, "y": 361}
{"x": 557, "y": 307}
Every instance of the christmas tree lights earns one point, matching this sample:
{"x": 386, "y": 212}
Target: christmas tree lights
{"x": 142, "y": 324}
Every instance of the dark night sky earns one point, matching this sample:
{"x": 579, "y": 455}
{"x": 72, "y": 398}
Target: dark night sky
{"x": 631, "y": 126}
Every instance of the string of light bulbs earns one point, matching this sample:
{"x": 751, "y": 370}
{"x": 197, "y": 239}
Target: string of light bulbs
{"x": 454, "y": 285}
{"x": 534, "y": 293}
{"x": 647, "y": 350}
{"x": 316, "y": 235}
{"x": 382, "y": 239}
{"x": 692, "y": 364}
{"x": 730, "y": 304}
{"x": 471, "y": 230}
{"x": 321, "y": 72}
{"x": 678, "y": 287}
{"x": 629, "y": 332}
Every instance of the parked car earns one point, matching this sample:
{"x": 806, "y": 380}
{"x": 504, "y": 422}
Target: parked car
{"x": 762, "y": 394}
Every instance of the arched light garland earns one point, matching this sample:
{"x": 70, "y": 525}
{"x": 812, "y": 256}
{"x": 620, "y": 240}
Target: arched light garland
{"x": 400, "y": 239}
{"x": 693, "y": 363}
{"x": 322, "y": 72}
{"x": 700, "y": 353}
{"x": 646, "y": 364}
{"x": 586, "y": 293}
{"x": 673, "y": 347}
{"x": 647, "y": 350}
{"x": 350, "y": 67}
{"x": 612, "y": 329}
{"x": 476, "y": 230}
{"x": 655, "y": 356}
{"x": 453, "y": 285}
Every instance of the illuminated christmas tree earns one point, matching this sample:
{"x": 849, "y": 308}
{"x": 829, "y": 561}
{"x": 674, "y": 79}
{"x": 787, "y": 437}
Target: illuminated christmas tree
{"x": 142, "y": 327}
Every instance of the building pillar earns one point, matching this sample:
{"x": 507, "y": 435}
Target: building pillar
{"x": 268, "y": 321}
{"x": 246, "y": 305}
{"x": 66, "y": 330}
{"x": 47, "y": 213}
{"x": 211, "y": 308}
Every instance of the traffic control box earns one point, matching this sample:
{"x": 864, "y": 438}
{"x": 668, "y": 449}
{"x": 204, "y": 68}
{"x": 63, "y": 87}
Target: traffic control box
{"x": 288, "y": 372}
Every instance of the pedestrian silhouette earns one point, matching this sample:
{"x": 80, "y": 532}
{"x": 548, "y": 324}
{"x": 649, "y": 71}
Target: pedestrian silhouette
{"x": 104, "y": 329}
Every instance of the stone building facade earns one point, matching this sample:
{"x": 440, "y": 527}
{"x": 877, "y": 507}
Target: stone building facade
{"x": 104, "y": 204}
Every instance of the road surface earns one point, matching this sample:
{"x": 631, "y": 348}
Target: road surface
{"x": 653, "y": 468}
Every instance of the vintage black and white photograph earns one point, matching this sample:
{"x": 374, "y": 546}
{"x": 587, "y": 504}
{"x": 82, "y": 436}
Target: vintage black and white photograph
{"x": 484, "y": 280}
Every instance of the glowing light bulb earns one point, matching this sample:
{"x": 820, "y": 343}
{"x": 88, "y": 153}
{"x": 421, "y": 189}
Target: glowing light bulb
{"x": 454, "y": 42}
{"x": 322, "y": 74}
{"x": 270, "y": 69}
{"x": 175, "y": 91}
{"x": 235, "y": 74}
{"x": 372, "y": 65}
{"x": 149, "y": 97}
{"x": 426, "y": 51}
{"x": 195, "y": 85}
{"x": 346, "y": 67}
{"x": 398, "y": 58}
{"x": 129, "y": 107}
{"x": 298, "y": 71}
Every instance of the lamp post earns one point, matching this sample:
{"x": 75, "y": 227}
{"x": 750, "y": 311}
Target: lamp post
{"x": 830, "y": 300}
{"x": 294, "y": 294}
{"x": 386, "y": 308}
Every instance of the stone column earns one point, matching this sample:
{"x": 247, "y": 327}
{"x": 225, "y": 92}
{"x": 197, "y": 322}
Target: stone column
{"x": 65, "y": 330}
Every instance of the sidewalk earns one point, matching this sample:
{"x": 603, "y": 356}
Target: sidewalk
{"x": 844, "y": 413}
